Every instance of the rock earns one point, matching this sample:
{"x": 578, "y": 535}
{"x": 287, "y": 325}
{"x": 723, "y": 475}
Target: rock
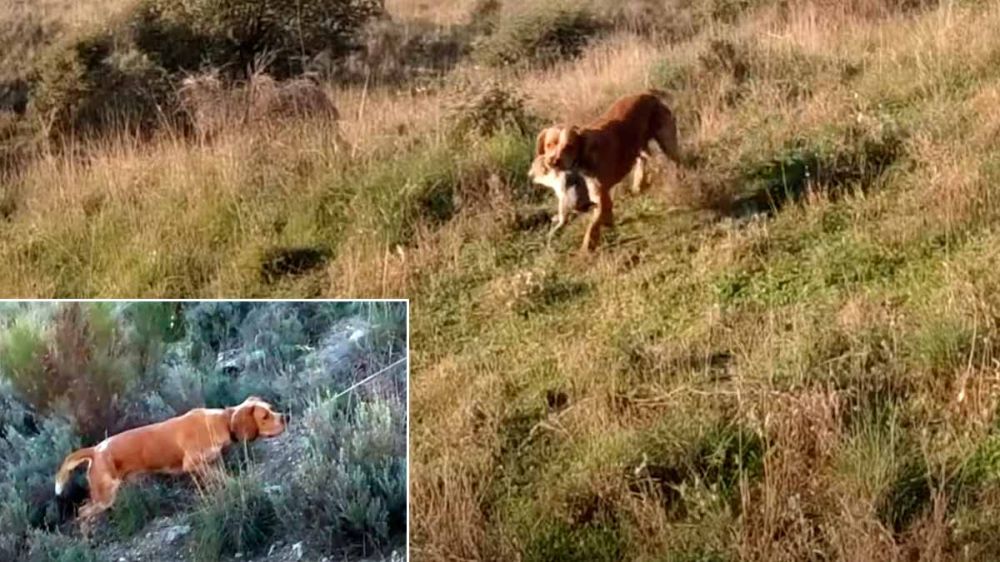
{"x": 239, "y": 555}
{"x": 172, "y": 534}
{"x": 357, "y": 334}
{"x": 297, "y": 550}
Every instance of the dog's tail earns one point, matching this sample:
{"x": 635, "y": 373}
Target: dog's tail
{"x": 72, "y": 460}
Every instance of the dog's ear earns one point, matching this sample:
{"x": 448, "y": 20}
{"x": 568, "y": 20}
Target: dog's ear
{"x": 568, "y": 150}
{"x": 540, "y": 143}
{"x": 243, "y": 424}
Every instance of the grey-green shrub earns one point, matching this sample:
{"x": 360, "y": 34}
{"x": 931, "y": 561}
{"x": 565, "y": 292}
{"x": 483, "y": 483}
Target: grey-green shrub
{"x": 489, "y": 110}
{"x": 30, "y": 456}
{"x": 50, "y": 547}
{"x": 353, "y": 481}
{"x": 237, "y": 34}
{"x": 91, "y": 84}
{"x": 540, "y": 33}
{"x": 235, "y": 515}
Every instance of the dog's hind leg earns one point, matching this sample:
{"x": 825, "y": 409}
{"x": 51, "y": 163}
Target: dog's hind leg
{"x": 640, "y": 178}
{"x": 602, "y": 214}
{"x": 103, "y": 490}
{"x": 666, "y": 136}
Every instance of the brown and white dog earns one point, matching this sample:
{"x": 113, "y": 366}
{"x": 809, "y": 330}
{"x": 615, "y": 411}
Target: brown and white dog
{"x": 183, "y": 444}
{"x": 603, "y": 153}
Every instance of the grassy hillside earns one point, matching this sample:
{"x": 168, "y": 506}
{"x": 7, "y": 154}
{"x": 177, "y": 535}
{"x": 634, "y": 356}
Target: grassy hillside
{"x": 787, "y": 352}
{"x": 333, "y": 484}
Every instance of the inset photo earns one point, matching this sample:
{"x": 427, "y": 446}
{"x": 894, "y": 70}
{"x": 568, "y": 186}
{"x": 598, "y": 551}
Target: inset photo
{"x": 203, "y": 431}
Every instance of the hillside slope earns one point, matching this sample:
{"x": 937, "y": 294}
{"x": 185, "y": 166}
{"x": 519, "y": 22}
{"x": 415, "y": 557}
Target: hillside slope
{"x": 788, "y": 354}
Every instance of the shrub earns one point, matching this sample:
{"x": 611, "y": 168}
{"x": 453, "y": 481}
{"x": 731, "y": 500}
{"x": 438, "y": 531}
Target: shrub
{"x": 234, "y": 515}
{"x": 28, "y": 459}
{"x": 86, "y": 364}
{"x": 273, "y": 336}
{"x": 89, "y": 85}
{"x": 388, "y": 328}
{"x": 13, "y": 525}
{"x": 48, "y": 547}
{"x": 400, "y": 53}
{"x": 490, "y": 110}
{"x": 135, "y": 506}
{"x": 213, "y": 327}
{"x": 353, "y": 480}
{"x": 539, "y": 34}
{"x": 212, "y": 106}
{"x": 233, "y": 34}
{"x": 559, "y": 541}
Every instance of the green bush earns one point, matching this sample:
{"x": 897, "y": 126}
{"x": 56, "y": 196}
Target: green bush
{"x": 489, "y": 110}
{"x": 85, "y": 361}
{"x": 593, "y": 542}
{"x": 401, "y": 53}
{"x": 90, "y": 85}
{"x": 275, "y": 336}
{"x": 29, "y": 456}
{"x": 539, "y": 34}
{"x": 353, "y": 482}
{"x": 135, "y": 506}
{"x": 236, "y": 34}
{"x": 13, "y": 525}
{"x": 235, "y": 515}
{"x": 213, "y": 327}
{"x": 388, "y": 328}
{"x": 48, "y": 547}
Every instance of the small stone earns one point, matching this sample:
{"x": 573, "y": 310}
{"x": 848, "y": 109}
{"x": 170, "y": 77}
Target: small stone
{"x": 172, "y": 534}
{"x": 297, "y": 550}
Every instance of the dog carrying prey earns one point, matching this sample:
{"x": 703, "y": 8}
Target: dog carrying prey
{"x": 184, "y": 444}
{"x": 602, "y": 154}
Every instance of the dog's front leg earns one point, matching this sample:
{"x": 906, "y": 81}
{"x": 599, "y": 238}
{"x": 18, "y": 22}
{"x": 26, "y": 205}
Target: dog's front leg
{"x": 561, "y": 212}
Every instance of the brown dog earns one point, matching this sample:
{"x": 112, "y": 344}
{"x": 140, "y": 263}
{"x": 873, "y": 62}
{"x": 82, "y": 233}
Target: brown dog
{"x": 605, "y": 151}
{"x": 186, "y": 443}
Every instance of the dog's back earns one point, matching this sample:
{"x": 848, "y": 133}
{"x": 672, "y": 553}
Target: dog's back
{"x": 619, "y": 135}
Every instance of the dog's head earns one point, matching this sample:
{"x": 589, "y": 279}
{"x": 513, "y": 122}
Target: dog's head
{"x": 559, "y": 146}
{"x": 256, "y": 418}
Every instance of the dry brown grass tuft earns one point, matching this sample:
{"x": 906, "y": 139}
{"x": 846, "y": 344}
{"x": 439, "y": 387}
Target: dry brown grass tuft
{"x": 785, "y": 516}
{"x": 214, "y": 108}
